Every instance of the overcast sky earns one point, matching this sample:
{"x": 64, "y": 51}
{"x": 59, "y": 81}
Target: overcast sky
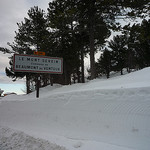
{"x": 11, "y": 13}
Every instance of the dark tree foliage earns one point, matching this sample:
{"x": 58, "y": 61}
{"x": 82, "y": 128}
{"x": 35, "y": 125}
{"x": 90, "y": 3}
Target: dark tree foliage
{"x": 70, "y": 19}
{"x": 103, "y": 66}
{"x": 97, "y": 28}
{"x": 132, "y": 46}
{"x": 119, "y": 52}
{"x": 109, "y": 10}
{"x": 139, "y": 44}
{"x": 130, "y": 50}
{"x": 10, "y": 73}
{"x": 32, "y": 33}
{"x": 145, "y": 42}
{"x": 5, "y": 50}
{"x": 61, "y": 17}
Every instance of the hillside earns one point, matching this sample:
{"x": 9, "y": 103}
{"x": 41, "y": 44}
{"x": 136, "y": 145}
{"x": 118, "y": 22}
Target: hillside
{"x": 107, "y": 114}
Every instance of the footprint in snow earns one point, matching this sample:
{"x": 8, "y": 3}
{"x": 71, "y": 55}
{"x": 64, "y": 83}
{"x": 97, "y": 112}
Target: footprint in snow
{"x": 77, "y": 145}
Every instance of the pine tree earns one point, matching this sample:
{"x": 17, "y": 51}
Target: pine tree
{"x": 119, "y": 51}
{"x": 103, "y": 66}
{"x": 138, "y": 44}
{"x": 32, "y": 35}
{"x": 63, "y": 20}
{"x": 144, "y": 39}
{"x": 109, "y": 10}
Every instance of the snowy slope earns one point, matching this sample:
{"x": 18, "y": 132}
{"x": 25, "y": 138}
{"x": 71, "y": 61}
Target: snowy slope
{"x": 111, "y": 114}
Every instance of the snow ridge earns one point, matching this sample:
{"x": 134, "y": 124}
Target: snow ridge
{"x": 16, "y": 140}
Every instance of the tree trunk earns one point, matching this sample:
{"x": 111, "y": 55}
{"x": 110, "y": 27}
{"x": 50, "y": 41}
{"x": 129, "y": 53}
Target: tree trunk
{"x": 28, "y": 84}
{"x": 51, "y": 80}
{"x": 91, "y": 38}
{"x": 121, "y": 71}
{"x": 82, "y": 66}
{"x": 78, "y": 74}
{"x": 108, "y": 73}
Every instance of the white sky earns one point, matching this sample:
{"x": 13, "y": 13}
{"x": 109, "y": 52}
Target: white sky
{"x": 12, "y": 12}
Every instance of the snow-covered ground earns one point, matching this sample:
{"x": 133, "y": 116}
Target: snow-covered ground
{"x": 103, "y": 114}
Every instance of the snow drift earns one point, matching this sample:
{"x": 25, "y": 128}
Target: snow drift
{"x": 10, "y": 139}
{"x": 111, "y": 114}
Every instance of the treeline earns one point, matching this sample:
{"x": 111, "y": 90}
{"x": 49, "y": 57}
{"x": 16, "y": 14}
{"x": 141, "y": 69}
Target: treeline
{"x": 71, "y": 29}
{"x": 130, "y": 50}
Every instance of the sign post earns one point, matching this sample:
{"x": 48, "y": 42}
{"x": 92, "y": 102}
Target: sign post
{"x": 37, "y": 86}
{"x": 37, "y": 64}
{"x": 38, "y": 77}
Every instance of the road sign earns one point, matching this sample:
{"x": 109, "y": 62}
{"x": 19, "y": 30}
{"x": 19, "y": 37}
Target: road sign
{"x": 39, "y": 53}
{"x": 37, "y": 64}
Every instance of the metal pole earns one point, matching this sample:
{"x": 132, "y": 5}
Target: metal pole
{"x": 37, "y": 86}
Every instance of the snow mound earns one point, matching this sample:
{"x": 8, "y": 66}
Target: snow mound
{"x": 107, "y": 114}
{"x": 16, "y": 140}
{"x": 137, "y": 79}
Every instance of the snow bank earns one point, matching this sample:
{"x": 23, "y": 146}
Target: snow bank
{"x": 137, "y": 79}
{"x": 111, "y": 114}
{"x": 15, "y": 140}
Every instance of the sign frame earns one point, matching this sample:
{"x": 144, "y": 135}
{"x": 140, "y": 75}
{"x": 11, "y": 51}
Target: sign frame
{"x": 37, "y": 57}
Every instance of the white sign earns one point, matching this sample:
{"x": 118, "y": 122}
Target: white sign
{"x": 38, "y": 64}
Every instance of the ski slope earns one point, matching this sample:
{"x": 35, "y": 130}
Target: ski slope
{"x": 107, "y": 114}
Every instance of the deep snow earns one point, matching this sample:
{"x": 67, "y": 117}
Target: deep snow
{"x": 107, "y": 114}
